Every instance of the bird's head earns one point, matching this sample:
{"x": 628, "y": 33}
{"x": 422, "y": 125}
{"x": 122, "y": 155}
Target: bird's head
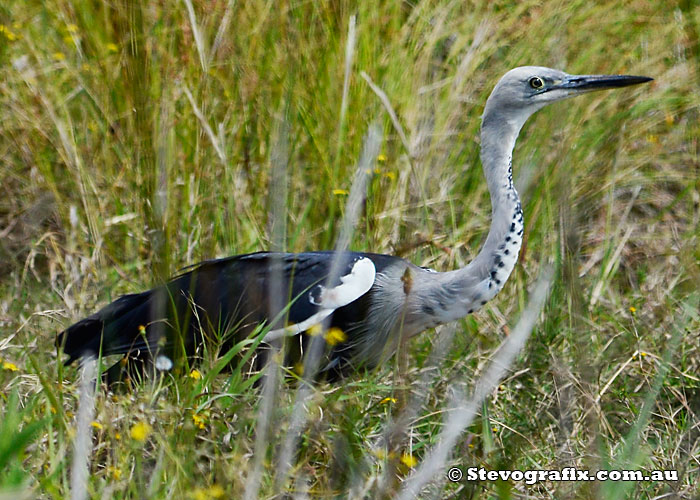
{"x": 524, "y": 90}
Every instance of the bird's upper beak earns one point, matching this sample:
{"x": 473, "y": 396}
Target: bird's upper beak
{"x": 587, "y": 83}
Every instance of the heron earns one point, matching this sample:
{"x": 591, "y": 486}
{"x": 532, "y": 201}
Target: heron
{"x": 375, "y": 299}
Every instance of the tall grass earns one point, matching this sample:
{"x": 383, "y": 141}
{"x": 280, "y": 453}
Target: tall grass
{"x": 137, "y": 138}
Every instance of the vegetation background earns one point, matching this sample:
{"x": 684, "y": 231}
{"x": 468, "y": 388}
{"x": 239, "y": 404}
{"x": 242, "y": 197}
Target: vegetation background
{"x": 139, "y": 137}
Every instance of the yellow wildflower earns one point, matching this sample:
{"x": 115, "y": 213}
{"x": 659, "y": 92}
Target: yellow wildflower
{"x": 140, "y": 431}
{"x": 199, "y": 494}
{"x": 216, "y": 491}
{"x": 8, "y": 33}
{"x": 633, "y": 309}
{"x": 315, "y": 330}
{"x": 408, "y": 460}
{"x": 387, "y": 400}
{"x": 199, "y": 421}
{"x": 59, "y": 56}
{"x": 96, "y": 425}
{"x": 339, "y": 192}
{"x": 112, "y": 47}
{"x": 195, "y": 374}
{"x": 642, "y": 354}
{"x": 391, "y": 176}
{"x": 494, "y": 429}
{"x": 142, "y": 329}
{"x": 10, "y": 367}
{"x": 118, "y": 436}
{"x": 381, "y": 158}
{"x": 335, "y": 336}
{"x": 115, "y": 472}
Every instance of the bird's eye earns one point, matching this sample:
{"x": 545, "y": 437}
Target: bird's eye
{"x": 536, "y": 82}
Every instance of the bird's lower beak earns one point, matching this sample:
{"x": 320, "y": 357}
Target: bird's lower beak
{"x": 579, "y": 83}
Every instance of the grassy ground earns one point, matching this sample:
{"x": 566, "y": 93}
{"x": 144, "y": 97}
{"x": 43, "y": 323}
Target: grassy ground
{"x": 137, "y": 138}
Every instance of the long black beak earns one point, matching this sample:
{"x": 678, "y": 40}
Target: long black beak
{"x": 599, "y": 82}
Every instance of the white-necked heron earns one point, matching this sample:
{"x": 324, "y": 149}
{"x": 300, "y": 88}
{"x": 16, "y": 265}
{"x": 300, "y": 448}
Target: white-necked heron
{"x": 376, "y": 300}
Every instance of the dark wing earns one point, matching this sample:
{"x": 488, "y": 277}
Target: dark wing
{"x": 225, "y": 295}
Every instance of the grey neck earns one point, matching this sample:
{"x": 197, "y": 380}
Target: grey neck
{"x": 477, "y": 283}
{"x": 497, "y": 142}
{"x": 463, "y": 291}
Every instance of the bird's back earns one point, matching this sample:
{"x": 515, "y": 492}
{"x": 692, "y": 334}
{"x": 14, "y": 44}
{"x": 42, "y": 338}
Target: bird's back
{"x": 222, "y": 300}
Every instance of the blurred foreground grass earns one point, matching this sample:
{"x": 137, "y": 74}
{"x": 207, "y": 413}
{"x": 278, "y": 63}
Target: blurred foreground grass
{"x": 136, "y": 139}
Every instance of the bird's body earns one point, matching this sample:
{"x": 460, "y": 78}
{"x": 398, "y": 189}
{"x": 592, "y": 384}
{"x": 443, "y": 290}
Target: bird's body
{"x": 376, "y": 299}
{"x": 226, "y": 299}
